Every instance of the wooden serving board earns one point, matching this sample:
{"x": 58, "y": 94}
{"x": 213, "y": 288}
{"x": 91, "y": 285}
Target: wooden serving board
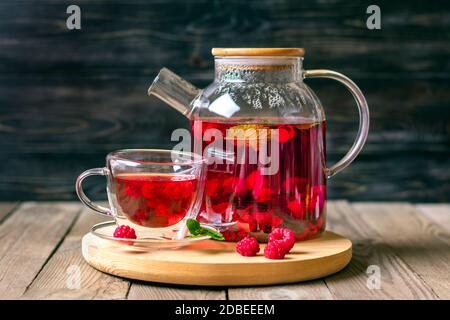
{"x": 214, "y": 263}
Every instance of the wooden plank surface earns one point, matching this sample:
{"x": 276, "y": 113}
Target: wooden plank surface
{"x": 67, "y": 276}
{"x": 68, "y": 97}
{"x": 310, "y": 290}
{"x": 29, "y": 237}
{"x": 397, "y": 279}
{"x": 439, "y": 213}
{"x": 6, "y": 208}
{"x": 40, "y": 255}
{"x": 419, "y": 242}
{"x": 153, "y": 291}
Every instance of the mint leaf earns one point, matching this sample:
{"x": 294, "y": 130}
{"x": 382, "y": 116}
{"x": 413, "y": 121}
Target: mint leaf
{"x": 196, "y": 230}
{"x": 214, "y": 234}
{"x": 194, "y": 227}
{"x": 193, "y": 237}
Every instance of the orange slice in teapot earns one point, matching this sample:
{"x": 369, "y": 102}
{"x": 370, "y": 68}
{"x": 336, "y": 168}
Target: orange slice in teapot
{"x": 245, "y": 134}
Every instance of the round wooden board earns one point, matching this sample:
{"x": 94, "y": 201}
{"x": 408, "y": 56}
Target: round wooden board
{"x": 214, "y": 263}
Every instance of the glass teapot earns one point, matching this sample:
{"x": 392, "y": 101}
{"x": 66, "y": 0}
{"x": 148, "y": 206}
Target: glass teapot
{"x": 265, "y": 130}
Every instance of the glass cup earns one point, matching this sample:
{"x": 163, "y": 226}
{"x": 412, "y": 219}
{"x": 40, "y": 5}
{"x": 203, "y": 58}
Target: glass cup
{"x": 152, "y": 190}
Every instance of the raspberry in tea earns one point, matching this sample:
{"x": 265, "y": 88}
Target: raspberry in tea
{"x": 155, "y": 200}
{"x": 293, "y": 197}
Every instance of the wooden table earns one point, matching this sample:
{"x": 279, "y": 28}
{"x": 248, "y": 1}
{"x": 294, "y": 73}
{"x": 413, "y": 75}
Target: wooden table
{"x": 40, "y": 257}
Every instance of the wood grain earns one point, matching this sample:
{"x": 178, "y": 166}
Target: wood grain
{"x": 439, "y": 213}
{"x": 309, "y": 290}
{"x": 153, "y": 291}
{"x": 213, "y": 263}
{"x": 419, "y": 242}
{"x": 41, "y": 241}
{"x": 67, "y": 98}
{"x": 370, "y": 248}
{"x": 67, "y": 276}
{"x": 6, "y": 209}
{"x": 29, "y": 238}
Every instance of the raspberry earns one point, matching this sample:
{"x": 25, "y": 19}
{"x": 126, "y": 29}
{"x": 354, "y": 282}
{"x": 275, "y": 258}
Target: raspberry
{"x": 262, "y": 194}
{"x": 239, "y": 187}
{"x": 247, "y": 247}
{"x": 297, "y": 209}
{"x": 125, "y": 232}
{"x": 229, "y": 235}
{"x": 241, "y": 234}
{"x": 285, "y": 236}
{"x": 140, "y": 217}
{"x": 285, "y": 134}
{"x": 227, "y": 184}
{"x": 133, "y": 190}
{"x": 276, "y": 221}
{"x": 275, "y": 250}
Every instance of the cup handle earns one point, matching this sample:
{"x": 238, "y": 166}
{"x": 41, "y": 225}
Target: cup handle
{"x": 78, "y": 187}
{"x": 363, "y": 116}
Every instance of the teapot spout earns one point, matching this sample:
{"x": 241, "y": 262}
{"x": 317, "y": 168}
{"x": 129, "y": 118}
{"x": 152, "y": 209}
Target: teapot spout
{"x": 175, "y": 91}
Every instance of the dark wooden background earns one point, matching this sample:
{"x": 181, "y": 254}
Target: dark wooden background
{"x": 67, "y": 98}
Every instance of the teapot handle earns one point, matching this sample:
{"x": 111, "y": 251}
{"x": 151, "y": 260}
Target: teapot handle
{"x": 363, "y": 116}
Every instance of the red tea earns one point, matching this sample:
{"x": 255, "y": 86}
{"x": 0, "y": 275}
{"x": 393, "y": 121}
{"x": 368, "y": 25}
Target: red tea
{"x": 155, "y": 200}
{"x": 293, "y": 197}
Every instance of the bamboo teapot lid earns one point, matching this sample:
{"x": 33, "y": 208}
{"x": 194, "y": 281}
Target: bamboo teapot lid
{"x": 258, "y": 52}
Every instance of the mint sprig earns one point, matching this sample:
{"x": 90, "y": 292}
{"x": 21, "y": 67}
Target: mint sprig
{"x": 196, "y": 230}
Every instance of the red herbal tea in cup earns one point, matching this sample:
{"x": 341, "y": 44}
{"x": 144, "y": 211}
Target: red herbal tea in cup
{"x": 155, "y": 200}
{"x": 150, "y": 188}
